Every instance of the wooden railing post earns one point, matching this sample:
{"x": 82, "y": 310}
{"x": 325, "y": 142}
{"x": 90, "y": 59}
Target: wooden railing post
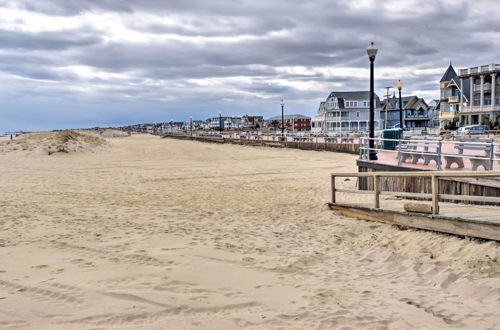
{"x": 333, "y": 189}
{"x": 435, "y": 194}
{"x": 376, "y": 191}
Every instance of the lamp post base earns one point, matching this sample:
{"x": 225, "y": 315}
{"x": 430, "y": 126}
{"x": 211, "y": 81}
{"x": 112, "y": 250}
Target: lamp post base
{"x": 372, "y": 155}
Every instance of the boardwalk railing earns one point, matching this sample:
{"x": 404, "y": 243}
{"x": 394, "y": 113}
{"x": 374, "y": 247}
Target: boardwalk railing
{"x": 299, "y": 137}
{"x": 435, "y": 148}
{"x": 434, "y": 196}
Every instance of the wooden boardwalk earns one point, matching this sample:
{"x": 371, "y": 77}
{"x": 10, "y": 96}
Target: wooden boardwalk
{"x": 437, "y": 215}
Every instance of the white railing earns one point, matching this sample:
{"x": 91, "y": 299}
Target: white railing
{"x": 435, "y": 148}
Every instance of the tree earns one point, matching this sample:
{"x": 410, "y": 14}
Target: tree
{"x": 452, "y": 125}
{"x": 491, "y": 124}
{"x": 275, "y": 123}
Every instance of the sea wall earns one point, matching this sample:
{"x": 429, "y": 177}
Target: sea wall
{"x": 351, "y": 148}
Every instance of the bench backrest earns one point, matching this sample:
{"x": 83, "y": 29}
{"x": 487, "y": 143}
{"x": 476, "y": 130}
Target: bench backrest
{"x": 464, "y": 145}
{"x": 424, "y": 144}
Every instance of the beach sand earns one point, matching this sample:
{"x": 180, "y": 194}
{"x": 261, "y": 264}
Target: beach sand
{"x": 165, "y": 234}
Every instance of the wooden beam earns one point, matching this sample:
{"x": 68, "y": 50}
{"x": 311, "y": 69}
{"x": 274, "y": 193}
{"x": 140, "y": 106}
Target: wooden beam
{"x": 438, "y": 223}
{"x": 435, "y": 194}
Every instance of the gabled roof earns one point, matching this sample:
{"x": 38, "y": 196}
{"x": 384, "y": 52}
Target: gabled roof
{"x": 394, "y": 100}
{"x": 355, "y": 95}
{"x": 288, "y": 117}
{"x": 449, "y": 74}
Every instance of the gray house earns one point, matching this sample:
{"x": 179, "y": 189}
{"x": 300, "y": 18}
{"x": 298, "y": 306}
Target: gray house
{"x": 346, "y": 111}
{"x": 416, "y": 112}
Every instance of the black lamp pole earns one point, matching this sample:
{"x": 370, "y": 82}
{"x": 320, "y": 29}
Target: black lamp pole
{"x": 191, "y": 124}
{"x": 372, "y": 52}
{"x": 220, "y": 123}
{"x": 282, "y": 119}
{"x": 399, "y": 85}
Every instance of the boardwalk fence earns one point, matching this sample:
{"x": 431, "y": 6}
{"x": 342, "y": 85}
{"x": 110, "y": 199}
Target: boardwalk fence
{"x": 435, "y": 177}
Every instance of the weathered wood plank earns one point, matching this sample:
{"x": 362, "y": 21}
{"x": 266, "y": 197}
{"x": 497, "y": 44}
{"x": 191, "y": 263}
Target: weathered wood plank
{"x": 450, "y": 225}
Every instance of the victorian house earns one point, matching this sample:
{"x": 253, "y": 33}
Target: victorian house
{"x": 346, "y": 111}
{"x": 415, "y": 113}
{"x": 453, "y": 95}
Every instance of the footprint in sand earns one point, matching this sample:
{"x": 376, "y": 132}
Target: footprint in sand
{"x": 40, "y": 266}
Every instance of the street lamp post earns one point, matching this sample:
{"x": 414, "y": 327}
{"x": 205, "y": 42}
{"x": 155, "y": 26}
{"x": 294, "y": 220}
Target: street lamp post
{"x": 282, "y": 119}
{"x": 191, "y": 124}
{"x": 220, "y": 123}
{"x": 400, "y": 85}
{"x": 372, "y": 52}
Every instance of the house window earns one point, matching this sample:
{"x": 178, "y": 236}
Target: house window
{"x": 477, "y": 100}
{"x": 357, "y": 114}
{"x": 355, "y": 103}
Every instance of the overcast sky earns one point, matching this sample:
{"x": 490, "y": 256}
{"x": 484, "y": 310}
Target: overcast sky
{"x": 84, "y": 63}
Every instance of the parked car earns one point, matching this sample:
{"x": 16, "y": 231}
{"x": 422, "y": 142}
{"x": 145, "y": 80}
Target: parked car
{"x": 471, "y": 130}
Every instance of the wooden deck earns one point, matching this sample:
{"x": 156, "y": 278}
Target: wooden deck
{"x": 378, "y": 204}
{"x": 463, "y": 220}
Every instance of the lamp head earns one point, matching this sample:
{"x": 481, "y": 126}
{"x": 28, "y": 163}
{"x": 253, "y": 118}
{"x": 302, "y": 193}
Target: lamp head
{"x": 372, "y": 51}
{"x": 282, "y": 102}
{"x": 399, "y": 85}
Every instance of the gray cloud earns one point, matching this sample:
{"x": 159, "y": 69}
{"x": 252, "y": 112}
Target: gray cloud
{"x": 198, "y": 57}
{"x": 48, "y": 40}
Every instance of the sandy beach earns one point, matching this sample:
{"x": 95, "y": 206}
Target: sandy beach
{"x": 152, "y": 233}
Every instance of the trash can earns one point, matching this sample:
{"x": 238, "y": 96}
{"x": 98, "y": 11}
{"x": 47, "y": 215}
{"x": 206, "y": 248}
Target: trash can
{"x": 394, "y": 134}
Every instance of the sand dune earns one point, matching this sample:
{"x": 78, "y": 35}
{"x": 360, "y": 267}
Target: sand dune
{"x": 165, "y": 234}
{"x": 54, "y": 142}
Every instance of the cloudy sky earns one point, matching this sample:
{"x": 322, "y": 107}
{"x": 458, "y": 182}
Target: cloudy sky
{"x": 83, "y": 63}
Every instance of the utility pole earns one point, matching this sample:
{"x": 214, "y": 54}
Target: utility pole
{"x": 386, "y": 106}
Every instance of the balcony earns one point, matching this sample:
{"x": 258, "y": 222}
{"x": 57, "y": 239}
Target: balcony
{"x": 453, "y": 99}
{"x": 476, "y": 108}
{"x": 486, "y": 87}
{"x": 417, "y": 117}
{"x": 479, "y": 69}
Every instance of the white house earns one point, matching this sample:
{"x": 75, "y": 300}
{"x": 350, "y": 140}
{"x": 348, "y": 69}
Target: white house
{"x": 346, "y": 111}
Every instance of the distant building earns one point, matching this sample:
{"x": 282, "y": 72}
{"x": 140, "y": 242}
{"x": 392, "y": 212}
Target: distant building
{"x": 295, "y": 123}
{"x": 252, "y": 122}
{"x": 415, "y": 112}
{"x": 233, "y": 123}
{"x": 346, "y": 111}
{"x": 434, "y": 113}
{"x": 482, "y": 84}
{"x": 216, "y": 122}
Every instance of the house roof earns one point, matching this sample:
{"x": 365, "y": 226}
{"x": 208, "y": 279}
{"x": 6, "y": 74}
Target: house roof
{"x": 288, "y": 117}
{"x": 449, "y": 74}
{"x": 394, "y": 100}
{"x": 353, "y": 95}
